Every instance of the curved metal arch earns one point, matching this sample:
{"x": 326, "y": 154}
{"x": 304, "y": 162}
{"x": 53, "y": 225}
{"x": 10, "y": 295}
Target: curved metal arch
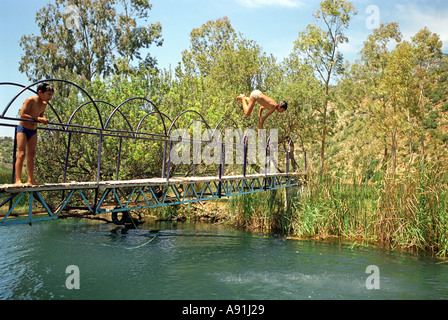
{"x": 269, "y": 140}
{"x": 181, "y": 114}
{"x": 268, "y": 150}
{"x": 150, "y": 113}
{"x": 189, "y": 125}
{"x": 244, "y": 140}
{"x": 291, "y": 139}
{"x": 21, "y": 85}
{"x": 97, "y": 101}
{"x": 225, "y": 127}
{"x": 136, "y": 98}
{"x": 221, "y": 121}
{"x": 49, "y": 80}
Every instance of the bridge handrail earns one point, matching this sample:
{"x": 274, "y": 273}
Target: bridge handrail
{"x": 215, "y": 134}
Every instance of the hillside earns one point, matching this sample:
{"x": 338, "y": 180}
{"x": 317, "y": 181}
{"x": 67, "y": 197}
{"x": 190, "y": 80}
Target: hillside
{"x": 6, "y": 150}
{"x": 358, "y": 146}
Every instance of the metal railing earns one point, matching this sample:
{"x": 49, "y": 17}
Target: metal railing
{"x": 166, "y": 137}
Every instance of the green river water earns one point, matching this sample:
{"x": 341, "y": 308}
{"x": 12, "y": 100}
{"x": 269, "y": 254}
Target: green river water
{"x": 78, "y": 259}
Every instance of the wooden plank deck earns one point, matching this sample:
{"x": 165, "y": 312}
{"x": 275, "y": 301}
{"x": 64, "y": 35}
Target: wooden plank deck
{"x": 12, "y": 188}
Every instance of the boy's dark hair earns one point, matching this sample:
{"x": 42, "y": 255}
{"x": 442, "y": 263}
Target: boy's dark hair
{"x": 283, "y": 105}
{"x": 44, "y": 87}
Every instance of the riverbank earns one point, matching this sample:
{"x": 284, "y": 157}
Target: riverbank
{"x": 408, "y": 213}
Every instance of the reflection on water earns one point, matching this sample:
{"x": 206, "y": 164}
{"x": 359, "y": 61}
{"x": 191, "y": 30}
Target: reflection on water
{"x": 201, "y": 261}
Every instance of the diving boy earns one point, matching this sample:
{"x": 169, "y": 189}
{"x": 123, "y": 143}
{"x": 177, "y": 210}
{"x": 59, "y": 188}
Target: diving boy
{"x": 266, "y": 103}
{"x": 32, "y": 109}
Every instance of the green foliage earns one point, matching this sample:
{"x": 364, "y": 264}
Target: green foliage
{"x": 6, "y": 149}
{"x": 95, "y": 38}
{"x": 318, "y": 46}
{"x": 219, "y": 65}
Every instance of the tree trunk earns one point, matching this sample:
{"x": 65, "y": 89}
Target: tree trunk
{"x": 394, "y": 150}
{"x": 324, "y": 129}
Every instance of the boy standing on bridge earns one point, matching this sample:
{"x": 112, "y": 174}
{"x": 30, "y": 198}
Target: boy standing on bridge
{"x": 33, "y": 110}
{"x": 266, "y": 103}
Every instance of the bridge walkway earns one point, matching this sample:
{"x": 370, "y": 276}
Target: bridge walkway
{"x": 121, "y": 197}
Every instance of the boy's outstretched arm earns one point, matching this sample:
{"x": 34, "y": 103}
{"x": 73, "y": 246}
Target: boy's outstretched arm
{"x": 262, "y": 120}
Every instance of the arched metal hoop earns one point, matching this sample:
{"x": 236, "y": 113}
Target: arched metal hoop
{"x": 130, "y": 132}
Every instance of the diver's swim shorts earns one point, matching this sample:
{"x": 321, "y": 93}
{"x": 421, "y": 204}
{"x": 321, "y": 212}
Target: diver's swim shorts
{"x": 255, "y": 94}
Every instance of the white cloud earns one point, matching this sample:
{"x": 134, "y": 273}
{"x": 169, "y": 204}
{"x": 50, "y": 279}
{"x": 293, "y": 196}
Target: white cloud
{"x": 271, "y": 3}
{"x": 412, "y": 19}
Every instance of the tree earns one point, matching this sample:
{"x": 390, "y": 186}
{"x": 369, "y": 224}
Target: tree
{"x": 400, "y": 87}
{"x": 394, "y": 76}
{"x": 318, "y": 47}
{"x": 303, "y": 92}
{"x": 89, "y": 39}
{"x": 375, "y": 58}
{"x": 427, "y": 53}
{"x": 219, "y": 65}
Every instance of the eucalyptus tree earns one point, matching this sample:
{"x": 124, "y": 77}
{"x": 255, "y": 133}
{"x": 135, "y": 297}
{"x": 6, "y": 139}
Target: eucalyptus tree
{"x": 219, "y": 65}
{"x": 89, "y": 39}
{"x": 318, "y": 46}
{"x": 399, "y": 84}
{"x": 395, "y": 75}
{"x": 428, "y": 55}
{"x": 375, "y": 58}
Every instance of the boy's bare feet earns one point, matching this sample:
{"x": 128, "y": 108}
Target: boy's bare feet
{"x": 34, "y": 183}
{"x": 240, "y": 97}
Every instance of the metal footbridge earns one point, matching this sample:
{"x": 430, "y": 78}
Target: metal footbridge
{"x": 106, "y": 187}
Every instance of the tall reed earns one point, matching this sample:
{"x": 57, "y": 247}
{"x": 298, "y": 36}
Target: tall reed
{"x": 334, "y": 207}
{"x": 412, "y": 211}
{"x": 262, "y": 210}
{"x": 409, "y": 211}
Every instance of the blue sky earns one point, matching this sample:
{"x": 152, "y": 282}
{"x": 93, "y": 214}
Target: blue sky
{"x": 273, "y": 24}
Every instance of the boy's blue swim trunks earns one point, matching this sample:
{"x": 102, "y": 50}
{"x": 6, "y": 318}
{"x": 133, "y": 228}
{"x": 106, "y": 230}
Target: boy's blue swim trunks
{"x": 28, "y": 132}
